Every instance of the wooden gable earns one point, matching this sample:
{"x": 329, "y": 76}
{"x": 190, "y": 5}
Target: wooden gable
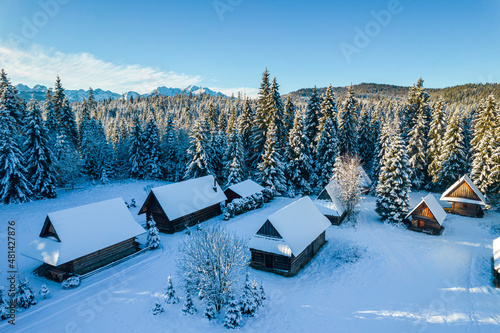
{"x": 463, "y": 190}
{"x": 324, "y": 196}
{"x": 424, "y": 211}
{"x": 48, "y": 230}
{"x": 268, "y": 230}
{"x": 151, "y": 205}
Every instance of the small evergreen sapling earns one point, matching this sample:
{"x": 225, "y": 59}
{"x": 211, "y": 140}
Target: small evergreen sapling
{"x": 44, "y": 292}
{"x": 25, "y": 297}
{"x": 153, "y": 233}
{"x": 248, "y": 300}
{"x": 232, "y": 319}
{"x": 158, "y": 308}
{"x": 3, "y": 305}
{"x": 210, "y": 313}
{"x": 170, "y": 294}
{"x": 188, "y": 307}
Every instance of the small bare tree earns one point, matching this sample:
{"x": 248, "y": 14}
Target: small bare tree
{"x": 348, "y": 176}
{"x": 211, "y": 262}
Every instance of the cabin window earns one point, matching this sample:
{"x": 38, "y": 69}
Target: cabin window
{"x": 421, "y": 224}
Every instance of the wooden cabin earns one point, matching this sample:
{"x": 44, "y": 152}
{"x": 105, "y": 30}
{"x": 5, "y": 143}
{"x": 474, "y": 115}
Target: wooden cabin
{"x": 465, "y": 198}
{"x": 496, "y": 262}
{"x": 289, "y": 238}
{"x": 81, "y": 239}
{"x": 366, "y": 182}
{"x": 427, "y": 216}
{"x": 329, "y": 203}
{"x": 242, "y": 190}
{"x": 176, "y": 206}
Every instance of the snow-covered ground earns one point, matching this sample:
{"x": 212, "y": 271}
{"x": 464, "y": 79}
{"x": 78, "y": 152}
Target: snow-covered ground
{"x": 372, "y": 277}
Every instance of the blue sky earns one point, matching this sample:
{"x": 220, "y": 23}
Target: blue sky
{"x": 226, "y": 44}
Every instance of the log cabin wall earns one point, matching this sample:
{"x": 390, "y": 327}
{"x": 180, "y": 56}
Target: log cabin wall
{"x": 466, "y": 209}
{"x": 100, "y": 258}
{"x": 309, "y": 252}
{"x": 166, "y": 226}
{"x": 280, "y": 264}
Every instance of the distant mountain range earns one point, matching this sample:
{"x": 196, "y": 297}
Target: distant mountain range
{"x": 38, "y": 93}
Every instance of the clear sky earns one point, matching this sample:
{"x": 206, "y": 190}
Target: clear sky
{"x": 226, "y": 44}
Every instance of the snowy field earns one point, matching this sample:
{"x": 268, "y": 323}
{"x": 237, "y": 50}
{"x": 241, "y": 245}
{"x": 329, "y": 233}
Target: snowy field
{"x": 373, "y": 277}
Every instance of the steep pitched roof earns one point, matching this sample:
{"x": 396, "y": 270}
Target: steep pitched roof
{"x": 333, "y": 206}
{"x": 183, "y": 198}
{"x": 246, "y": 188}
{"x": 83, "y": 230}
{"x": 446, "y": 195}
{"x": 434, "y": 206}
{"x": 299, "y": 223}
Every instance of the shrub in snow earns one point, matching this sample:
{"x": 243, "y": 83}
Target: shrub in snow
{"x": 170, "y": 294}
{"x": 258, "y": 293}
{"x": 232, "y": 319}
{"x": 132, "y": 203}
{"x": 157, "y": 309}
{"x": 44, "y": 292}
{"x": 211, "y": 261}
{"x": 248, "y": 303}
{"x": 268, "y": 194}
{"x": 209, "y": 312}
{"x": 242, "y": 205}
{"x": 3, "y": 305}
{"x": 71, "y": 282}
{"x": 188, "y": 307}
{"x": 25, "y": 297}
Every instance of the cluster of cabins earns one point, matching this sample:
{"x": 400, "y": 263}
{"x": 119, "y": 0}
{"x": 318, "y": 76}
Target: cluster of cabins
{"x": 287, "y": 240}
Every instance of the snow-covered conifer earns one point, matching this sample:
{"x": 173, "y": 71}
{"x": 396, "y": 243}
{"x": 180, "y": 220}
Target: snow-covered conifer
{"x": 188, "y": 307}
{"x": 233, "y": 318}
{"x": 271, "y": 170}
{"x": 153, "y": 241}
{"x": 328, "y": 110}
{"x": 417, "y": 152}
{"x": 25, "y": 297}
{"x": 152, "y": 161}
{"x": 199, "y": 159}
{"x": 158, "y": 308}
{"x": 44, "y": 291}
{"x": 234, "y": 170}
{"x": 311, "y": 118}
{"x": 248, "y": 303}
{"x": 40, "y": 159}
{"x": 436, "y": 133}
{"x": 348, "y": 119}
{"x": 170, "y": 293}
{"x": 209, "y": 313}
{"x": 137, "y": 152}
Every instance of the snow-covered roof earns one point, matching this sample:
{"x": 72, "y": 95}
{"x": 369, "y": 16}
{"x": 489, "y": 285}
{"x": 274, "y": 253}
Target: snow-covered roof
{"x": 333, "y": 207}
{"x": 246, "y": 188}
{"x": 84, "y": 230}
{"x": 434, "y": 207}
{"x": 365, "y": 179}
{"x": 496, "y": 254}
{"x": 299, "y": 223}
{"x": 183, "y": 198}
{"x": 465, "y": 178}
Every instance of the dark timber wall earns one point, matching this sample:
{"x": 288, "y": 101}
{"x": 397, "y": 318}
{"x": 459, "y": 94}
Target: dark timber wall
{"x": 99, "y": 258}
{"x": 283, "y": 265}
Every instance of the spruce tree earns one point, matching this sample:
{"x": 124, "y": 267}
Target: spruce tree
{"x": 152, "y": 151}
{"x": 299, "y": 171}
{"x": 393, "y": 188}
{"x": 153, "y": 240}
{"x": 290, "y": 110}
{"x": 67, "y": 160}
{"x": 199, "y": 160}
{"x": 137, "y": 151}
{"x": 483, "y": 143}
{"x": 271, "y": 170}
{"x": 416, "y": 104}
{"x": 248, "y": 305}
{"x": 40, "y": 159}
{"x": 170, "y": 150}
{"x": 14, "y": 187}
{"x": 328, "y": 110}
{"x": 417, "y": 152}
{"x": 348, "y": 125}
{"x": 44, "y": 291}
{"x": 245, "y": 126}
{"x": 10, "y": 100}
{"x": 276, "y": 112}
{"x": 95, "y": 151}
{"x": 381, "y": 147}
{"x": 209, "y": 313}
{"x": 326, "y": 153}
{"x": 366, "y": 145}
{"x": 158, "y": 308}
{"x": 436, "y": 134}
{"x": 234, "y": 170}
{"x": 311, "y": 119}
{"x": 260, "y": 123}
{"x": 25, "y": 296}
{"x": 64, "y": 113}
{"x": 453, "y": 159}
{"x": 50, "y": 116}
{"x": 232, "y": 319}
{"x": 188, "y": 307}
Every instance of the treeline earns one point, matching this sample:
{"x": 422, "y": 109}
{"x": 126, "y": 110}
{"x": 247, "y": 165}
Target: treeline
{"x": 288, "y": 145}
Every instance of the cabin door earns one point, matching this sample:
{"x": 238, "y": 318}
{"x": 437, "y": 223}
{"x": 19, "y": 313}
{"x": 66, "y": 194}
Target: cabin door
{"x": 269, "y": 260}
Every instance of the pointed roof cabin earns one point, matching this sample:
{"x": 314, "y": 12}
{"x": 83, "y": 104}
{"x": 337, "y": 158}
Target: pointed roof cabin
{"x": 243, "y": 189}
{"x": 329, "y": 203}
{"x": 81, "y": 239}
{"x": 176, "y": 206}
{"x": 428, "y": 216}
{"x": 289, "y": 238}
{"x": 465, "y": 198}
